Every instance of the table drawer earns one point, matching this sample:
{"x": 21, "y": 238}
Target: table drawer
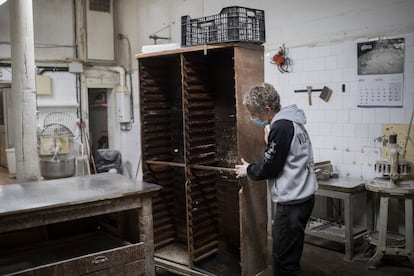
{"x": 98, "y": 262}
{"x": 77, "y": 258}
{"x": 135, "y": 268}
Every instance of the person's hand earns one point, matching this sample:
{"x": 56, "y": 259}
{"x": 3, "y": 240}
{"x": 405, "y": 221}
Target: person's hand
{"x": 241, "y": 170}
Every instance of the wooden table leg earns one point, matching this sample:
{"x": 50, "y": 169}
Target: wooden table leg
{"x": 146, "y": 234}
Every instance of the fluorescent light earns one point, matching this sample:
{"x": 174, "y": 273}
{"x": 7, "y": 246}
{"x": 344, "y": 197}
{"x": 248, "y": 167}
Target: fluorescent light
{"x": 2, "y": 2}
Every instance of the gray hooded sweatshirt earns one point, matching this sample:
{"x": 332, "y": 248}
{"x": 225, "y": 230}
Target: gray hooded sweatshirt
{"x": 288, "y": 158}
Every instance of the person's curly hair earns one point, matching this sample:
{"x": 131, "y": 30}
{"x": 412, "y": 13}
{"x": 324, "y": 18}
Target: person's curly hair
{"x": 260, "y": 96}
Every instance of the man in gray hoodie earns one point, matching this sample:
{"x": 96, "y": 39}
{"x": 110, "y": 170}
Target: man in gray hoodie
{"x": 288, "y": 167}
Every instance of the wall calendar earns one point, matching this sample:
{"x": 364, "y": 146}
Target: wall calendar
{"x": 380, "y": 73}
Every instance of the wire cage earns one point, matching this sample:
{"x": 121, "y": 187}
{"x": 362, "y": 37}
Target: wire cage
{"x": 59, "y": 123}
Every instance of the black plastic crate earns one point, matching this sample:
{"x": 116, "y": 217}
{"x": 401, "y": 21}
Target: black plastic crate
{"x": 232, "y": 24}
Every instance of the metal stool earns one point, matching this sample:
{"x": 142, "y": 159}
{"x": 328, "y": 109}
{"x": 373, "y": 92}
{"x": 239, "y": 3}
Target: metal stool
{"x": 405, "y": 193}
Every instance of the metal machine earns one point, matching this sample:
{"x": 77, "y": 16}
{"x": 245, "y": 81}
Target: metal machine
{"x": 394, "y": 181}
{"x": 56, "y": 146}
{"x": 397, "y": 168}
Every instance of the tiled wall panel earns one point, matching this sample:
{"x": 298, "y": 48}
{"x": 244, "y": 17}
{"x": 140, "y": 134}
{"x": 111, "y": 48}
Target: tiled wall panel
{"x": 340, "y": 131}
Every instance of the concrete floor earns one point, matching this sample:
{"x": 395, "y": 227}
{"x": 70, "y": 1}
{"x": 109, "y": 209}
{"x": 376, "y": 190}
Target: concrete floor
{"x": 324, "y": 258}
{"x": 5, "y": 178}
{"x": 327, "y": 258}
{"x": 321, "y": 258}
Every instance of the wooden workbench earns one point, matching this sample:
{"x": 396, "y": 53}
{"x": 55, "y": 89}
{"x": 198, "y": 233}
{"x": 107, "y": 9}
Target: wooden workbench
{"x": 345, "y": 189}
{"x": 82, "y": 225}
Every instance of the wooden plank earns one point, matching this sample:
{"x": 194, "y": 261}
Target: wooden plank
{"x": 220, "y": 169}
{"x": 206, "y": 255}
{"x": 164, "y": 163}
{"x": 177, "y": 268}
{"x": 146, "y": 234}
{"x": 204, "y": 48}
{"x": 136, "y": 268}
{"x": 66, "y": 213}
{"x": 249, "y": 71}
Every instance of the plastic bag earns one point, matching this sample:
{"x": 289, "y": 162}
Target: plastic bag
{"x": 107, "y": 159}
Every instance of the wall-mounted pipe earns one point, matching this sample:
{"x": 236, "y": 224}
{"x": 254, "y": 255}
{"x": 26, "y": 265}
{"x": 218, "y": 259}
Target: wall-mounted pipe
{"x": 121, "y": 71}
{"x": 43, "y": 69}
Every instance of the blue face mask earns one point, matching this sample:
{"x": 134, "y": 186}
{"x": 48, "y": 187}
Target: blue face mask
{"x": 258, "y": 122}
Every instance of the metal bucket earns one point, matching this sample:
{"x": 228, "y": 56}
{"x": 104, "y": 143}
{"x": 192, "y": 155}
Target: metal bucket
{"x": 58, "y": 168}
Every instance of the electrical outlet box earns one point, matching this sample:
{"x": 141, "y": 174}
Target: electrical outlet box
{"x": 75, "y": 67}
{"x": 43, "y": 85}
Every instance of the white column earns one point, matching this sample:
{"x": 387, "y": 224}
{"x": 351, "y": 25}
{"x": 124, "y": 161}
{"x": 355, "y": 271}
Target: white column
{"x": 24, "y": 89}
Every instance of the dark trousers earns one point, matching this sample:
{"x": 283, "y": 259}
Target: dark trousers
{"x": 288, "y": 236}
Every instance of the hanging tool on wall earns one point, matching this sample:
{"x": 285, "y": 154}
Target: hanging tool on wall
{"x": 309, "y": 91}
{"x": 282, "y": 61}
{"x": 156, "y": 37}
{"x": 325, "y": 93}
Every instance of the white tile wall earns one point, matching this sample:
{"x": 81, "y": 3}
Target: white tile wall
{"x": 340, "y": 131}
{"x": 63, "y": 90}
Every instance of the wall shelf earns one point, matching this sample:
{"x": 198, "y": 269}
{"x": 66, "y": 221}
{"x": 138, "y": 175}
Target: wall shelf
{"x": 99, "y": 106}
{"x": 52, "y": 105}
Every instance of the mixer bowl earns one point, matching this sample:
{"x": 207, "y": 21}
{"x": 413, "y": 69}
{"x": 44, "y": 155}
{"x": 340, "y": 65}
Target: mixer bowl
{"x": 58, "y": 168}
